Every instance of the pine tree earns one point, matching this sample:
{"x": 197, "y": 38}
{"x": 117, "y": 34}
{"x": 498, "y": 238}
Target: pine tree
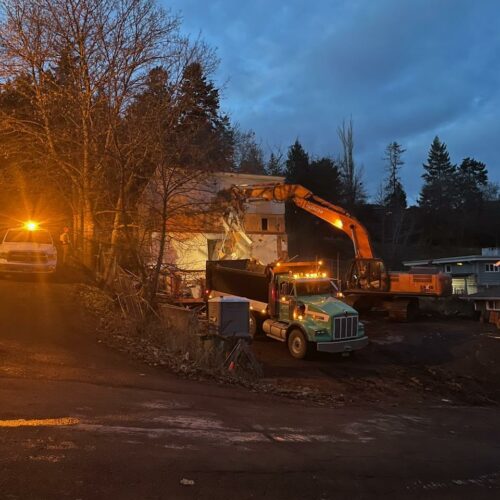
{"x": 324, "y": 179}
{"x": 199, "y": 97}
{"x": 205, "y": 135}
{"x": 297, "y": 164}
{"x": 438, "y": 192}
{"x": 472, "y": 178}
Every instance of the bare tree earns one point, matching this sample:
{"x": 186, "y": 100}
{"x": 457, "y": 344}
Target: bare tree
{"x": 352, "y": 184}
{"x": 185, "y": 139}
{"x": 395, "y": 196}
{"x": 84, "y": 61}
{"x": 248, "y": 157}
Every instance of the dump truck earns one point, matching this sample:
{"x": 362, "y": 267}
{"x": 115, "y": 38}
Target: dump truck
{"x": 294, "y": 302}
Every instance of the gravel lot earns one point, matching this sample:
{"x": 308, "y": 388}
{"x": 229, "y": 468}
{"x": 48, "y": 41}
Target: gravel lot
{"x": 456, "y": 361}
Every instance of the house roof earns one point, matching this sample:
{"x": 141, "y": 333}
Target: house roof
{"x": 452, "y": 260}
{"x": 491, "y": 293}
{"x": 261, "y": 178}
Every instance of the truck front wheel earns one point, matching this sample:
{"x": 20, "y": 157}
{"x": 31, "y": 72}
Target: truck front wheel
{"x": 298, "y": 344}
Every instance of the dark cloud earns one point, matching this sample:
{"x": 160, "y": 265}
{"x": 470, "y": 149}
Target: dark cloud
{"x": 404, "y": 71}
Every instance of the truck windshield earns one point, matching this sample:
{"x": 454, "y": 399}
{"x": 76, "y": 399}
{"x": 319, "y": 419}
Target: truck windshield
{"x": 23, "y": 236}
{"x": 323, "y": 287}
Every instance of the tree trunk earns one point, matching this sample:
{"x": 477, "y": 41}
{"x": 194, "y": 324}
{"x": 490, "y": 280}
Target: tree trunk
{"x": 88, "y": 246}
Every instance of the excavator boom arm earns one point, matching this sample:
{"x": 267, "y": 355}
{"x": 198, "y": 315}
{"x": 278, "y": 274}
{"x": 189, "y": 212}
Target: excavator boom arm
{"x": 303, "y": 198}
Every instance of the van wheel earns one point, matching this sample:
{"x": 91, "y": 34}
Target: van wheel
{"x": 298, "y": 344}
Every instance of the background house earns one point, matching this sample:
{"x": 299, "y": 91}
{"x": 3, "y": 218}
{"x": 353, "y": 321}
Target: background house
{"x": 470, "y": 273}
{"x": 487, "y": 304}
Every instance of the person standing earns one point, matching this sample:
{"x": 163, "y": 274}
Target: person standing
{"x": 65, "y": 241}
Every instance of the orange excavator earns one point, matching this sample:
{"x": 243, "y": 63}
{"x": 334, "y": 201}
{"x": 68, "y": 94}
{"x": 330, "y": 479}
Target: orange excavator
{"x": 368, "y": 284}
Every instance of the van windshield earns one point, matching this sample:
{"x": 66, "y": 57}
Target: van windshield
{"x": 22, "y": 236}
{"x": 320, "y": 287}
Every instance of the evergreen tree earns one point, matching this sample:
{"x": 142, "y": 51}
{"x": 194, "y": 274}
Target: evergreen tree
{"x": 472, "y": 178}
{"x": 324, "y": 179}
{"x": 394, "y": 193}
{"x": 199, "y": 97}
{"x": 204, "y": 137}
{"x": 297, "y": 164}
{"x": 438, "y": 192}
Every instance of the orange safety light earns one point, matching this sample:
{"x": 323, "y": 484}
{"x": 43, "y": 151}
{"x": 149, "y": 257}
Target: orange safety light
{"x": 31, "y": 225}
{"x": 338, "y": 223}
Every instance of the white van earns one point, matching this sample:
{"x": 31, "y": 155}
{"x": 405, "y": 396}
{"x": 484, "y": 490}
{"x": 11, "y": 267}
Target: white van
{"x": 27, "y": 249}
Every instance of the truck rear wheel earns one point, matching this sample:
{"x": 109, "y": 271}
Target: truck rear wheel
{"x": 298, "y": 344}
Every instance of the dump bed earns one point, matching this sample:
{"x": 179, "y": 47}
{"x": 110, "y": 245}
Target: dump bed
{"x": 236, "y": 277}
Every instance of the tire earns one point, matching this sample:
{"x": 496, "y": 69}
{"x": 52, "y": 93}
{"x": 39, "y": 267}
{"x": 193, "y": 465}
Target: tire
{"x": 298, "y": 344}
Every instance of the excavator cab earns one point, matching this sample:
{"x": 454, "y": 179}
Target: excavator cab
{"x": 368, "y": 274}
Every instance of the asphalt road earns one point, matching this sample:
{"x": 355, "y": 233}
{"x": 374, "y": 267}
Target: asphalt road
{"x": 80, "y": 421}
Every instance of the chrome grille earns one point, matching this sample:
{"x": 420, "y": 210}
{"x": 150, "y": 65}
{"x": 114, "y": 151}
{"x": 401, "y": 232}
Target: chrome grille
{"x": 27, "y": 257}
{"x": 345, "y": 327}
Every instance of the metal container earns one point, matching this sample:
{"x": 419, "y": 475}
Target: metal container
{"x": 229, "y": 316}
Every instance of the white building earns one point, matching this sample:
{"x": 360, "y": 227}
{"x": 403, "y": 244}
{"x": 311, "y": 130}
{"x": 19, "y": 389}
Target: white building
{"x": 188, "y": 249}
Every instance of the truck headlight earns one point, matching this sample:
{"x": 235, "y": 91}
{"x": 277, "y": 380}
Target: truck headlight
{"x": 321, "y": 331}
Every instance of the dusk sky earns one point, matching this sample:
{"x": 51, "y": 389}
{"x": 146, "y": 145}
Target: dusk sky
{"x": 405, "y": 70}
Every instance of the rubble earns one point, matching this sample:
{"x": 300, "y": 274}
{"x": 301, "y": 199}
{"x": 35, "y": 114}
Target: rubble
{"x": 445, "y": 360}
{"x": 122, "y": 334}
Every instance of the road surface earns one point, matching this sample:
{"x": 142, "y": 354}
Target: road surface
{"x": 80, "y": 421}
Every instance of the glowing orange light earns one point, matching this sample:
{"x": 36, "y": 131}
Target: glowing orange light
{"x": 338, "y": 223}
{"x": 31, "y": 225}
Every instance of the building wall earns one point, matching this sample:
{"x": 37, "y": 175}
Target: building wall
{"x": 261, "y": 217}
{"x": 191, "y": 243}
{"x": 264, "y": 224}
{"x": 486, "y": 278}
{"x": 189, "y": 252}
{"x": 466, "y": 267}
{"x": 471, "y": 277}
{"x": 186, "y": 251}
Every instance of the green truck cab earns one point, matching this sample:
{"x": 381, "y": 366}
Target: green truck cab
{"x": 293, "y": 303}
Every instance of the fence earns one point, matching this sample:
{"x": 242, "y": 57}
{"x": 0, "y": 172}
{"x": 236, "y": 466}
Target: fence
{"x": 125, "y": 285}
